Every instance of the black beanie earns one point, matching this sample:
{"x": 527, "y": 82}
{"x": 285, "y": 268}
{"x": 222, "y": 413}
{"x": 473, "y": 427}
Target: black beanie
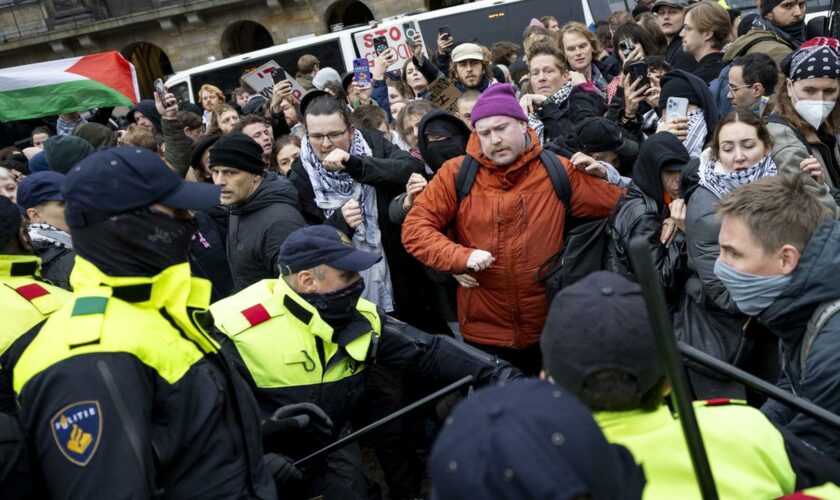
{"x": 768, "y": 5}
{"x": 200, "y": 147}
{"x": 10, "y": 217}
{"x": 677, "y": 87}
{"x": 237, "y": 150}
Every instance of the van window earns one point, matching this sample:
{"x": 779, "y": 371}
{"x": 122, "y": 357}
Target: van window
{"x": 181, "y": 91}
{"x": 227, "y": 78}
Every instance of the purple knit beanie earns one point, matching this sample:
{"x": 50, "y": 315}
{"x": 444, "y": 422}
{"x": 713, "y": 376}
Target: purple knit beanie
{"x": 497, "y": 100}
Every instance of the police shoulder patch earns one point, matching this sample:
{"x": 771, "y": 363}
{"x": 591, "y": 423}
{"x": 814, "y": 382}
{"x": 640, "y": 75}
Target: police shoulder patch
{"x": 77, "y": 429}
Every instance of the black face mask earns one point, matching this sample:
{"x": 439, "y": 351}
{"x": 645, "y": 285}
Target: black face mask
{"x": 440, "y": 152}
{"x": 337, "y": 308}
{"x": 139, "y": 243}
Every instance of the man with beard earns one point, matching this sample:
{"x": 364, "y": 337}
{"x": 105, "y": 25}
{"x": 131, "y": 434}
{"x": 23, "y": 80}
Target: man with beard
{"x": 469, "y": 68}
{"x": 779, "y": 30}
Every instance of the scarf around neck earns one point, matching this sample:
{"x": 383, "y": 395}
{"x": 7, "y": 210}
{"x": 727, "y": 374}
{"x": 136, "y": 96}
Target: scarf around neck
{"x": 334, "y": 189}
{"x": 49, "y": 236}
{"x": 721, "y": 183}
{"x": 793, "y": 35}
{"x": 558, "y": 98}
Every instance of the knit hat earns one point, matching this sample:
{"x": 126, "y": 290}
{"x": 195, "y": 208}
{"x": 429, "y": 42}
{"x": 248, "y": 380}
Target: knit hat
{"x": 768, "y": 5}
{"x": 816, "y": 58}
{"x": 63, "y": 152}
{"x": 10, "y": 217}
{"x": 324, "y": 76}
{"x": 98, "y": 135}
{"x": 498, "y": 100}
{"x": 237, "y": 150}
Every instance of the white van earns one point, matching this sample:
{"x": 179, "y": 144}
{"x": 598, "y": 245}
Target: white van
{"x": 486, "y": 20}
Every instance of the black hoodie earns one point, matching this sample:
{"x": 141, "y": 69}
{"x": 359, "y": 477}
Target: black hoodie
{"x": 438, "y": 122}
{"x": 257, "y": 229}
{"x": 149, "y": 110}
{"x": 641, "y": 212}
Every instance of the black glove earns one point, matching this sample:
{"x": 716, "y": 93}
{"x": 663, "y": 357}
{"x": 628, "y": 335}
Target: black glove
{"x": 297, "y": 430}
{"x": 282, "y": 470}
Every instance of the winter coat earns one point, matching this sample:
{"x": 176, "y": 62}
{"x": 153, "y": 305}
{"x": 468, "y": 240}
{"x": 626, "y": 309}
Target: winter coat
{"x": 789, "y": 151}
{"x": 709, "y": 319}
{"x": 512, "y": 212}
{"x": 814, "y": 282}
{"x": 677, "y": 58}
{"x": 774, "y": 47}
{"x": 258, "y": 227}
{"x": 639, "y": 215}
{"x": 208, "y": 257}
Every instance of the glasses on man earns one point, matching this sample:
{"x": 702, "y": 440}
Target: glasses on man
{"x": 332, "y": 136}
{"x": 739, "y": 87}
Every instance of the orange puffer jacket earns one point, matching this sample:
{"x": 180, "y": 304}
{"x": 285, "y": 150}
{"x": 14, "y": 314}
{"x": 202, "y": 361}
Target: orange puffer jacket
{"x": 512, "y": 212}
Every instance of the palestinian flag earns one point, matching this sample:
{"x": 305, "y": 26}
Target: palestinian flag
{"x": 67, "y": 85}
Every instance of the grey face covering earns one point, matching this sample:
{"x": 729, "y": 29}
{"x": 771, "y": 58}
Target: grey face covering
{"x": 751, "y": 293}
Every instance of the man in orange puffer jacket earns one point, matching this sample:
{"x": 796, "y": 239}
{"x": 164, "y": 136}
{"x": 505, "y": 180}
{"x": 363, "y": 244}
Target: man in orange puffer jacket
{"x": 509, "y": 224}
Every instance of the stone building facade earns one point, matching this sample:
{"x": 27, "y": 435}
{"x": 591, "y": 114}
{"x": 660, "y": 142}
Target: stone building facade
{"x": 165, "y": 36}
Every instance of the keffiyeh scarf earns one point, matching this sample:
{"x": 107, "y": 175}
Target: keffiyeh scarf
{"x": 332, "y": 191}
{"x": 49, "y": 235}
{"x": 721, "y": 183}
{"x": 696, "y": 133}
{"x": 558, "y": 98}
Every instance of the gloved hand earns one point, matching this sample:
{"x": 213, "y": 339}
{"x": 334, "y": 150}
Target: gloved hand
{"x": 297, "y": 430}
{"x": 282, "y": 470}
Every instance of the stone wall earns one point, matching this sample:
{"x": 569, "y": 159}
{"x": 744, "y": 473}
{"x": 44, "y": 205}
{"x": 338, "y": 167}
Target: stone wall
{"x": 187, "y": 37}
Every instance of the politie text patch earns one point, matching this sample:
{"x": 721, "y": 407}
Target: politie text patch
{"x": 76, "y": 429}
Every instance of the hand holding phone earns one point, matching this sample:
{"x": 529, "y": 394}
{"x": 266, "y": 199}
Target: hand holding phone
{"x": 161, "y": 92}
{"x": 638, "y": 71}
{"x": 278, "y": 75}
{"x": 676, "y": 107}
{"x": 361, "y": 72}
{"x": 380, "y": 44}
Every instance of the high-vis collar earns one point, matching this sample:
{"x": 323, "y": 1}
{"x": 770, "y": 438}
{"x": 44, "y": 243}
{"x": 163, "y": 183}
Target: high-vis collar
{"x": 173, "y": 290}
{"x": 19, "y": 265}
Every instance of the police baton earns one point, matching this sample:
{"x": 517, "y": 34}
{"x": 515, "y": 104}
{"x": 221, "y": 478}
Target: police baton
{"x": 355, "y": 436}
{"x": 794, "y": 402}
{"x": 666, "y": 347}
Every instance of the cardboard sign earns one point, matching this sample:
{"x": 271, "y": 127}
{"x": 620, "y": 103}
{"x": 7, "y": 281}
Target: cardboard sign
{"x": 397, "y": 40}
{"x": 260, "y": 80}
{"x": 444, "y": 94}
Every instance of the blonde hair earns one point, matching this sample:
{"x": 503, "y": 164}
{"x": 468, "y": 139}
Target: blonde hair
{"x": 213, "y": 90}
{"x": 577, "y": 28}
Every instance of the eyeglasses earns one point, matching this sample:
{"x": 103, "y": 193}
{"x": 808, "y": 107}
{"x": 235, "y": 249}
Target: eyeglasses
{"x": 733, "y": 89}
{"x": 333, "y": 136}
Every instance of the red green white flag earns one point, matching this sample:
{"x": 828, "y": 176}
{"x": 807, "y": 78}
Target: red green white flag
{"x": 67, "y": 85}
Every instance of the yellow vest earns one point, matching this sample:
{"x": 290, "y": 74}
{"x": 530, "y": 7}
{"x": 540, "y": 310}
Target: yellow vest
{"x": 97, "y": 321}
{"x": 277, "y": 334}
{"x": 746, "y": 452}
{"x": 24, "y": 300}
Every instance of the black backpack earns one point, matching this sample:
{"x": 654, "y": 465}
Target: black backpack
{"x": 584, "y": 240}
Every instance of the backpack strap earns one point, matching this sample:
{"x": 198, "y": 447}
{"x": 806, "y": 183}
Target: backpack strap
{"x": 819, "y": 319}
{"x": 776, "y": 118}
{"x": 746, "y": 48}
{"x": 466, "y": 177}
{"x": 559, "y": 178}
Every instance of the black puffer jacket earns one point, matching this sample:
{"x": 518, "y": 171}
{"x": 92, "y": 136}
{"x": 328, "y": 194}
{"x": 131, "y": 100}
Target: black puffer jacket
{"x": 641, "y": 212}
{"x": 257, "y": 229}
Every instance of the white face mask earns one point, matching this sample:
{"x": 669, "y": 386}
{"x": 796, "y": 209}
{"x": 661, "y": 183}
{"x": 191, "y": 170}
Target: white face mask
{"x": 812, "y": 111}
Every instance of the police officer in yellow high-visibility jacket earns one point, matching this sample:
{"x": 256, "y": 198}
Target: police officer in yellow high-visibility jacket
{"x": 307, "y": 336}
{"x": 25, "y": 300}
{"x": 599, "y": 345}
{"x": 122, "y": 392}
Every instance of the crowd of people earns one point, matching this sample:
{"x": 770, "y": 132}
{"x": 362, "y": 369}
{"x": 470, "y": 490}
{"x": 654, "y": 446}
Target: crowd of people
{"x": 199, "y": 296}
